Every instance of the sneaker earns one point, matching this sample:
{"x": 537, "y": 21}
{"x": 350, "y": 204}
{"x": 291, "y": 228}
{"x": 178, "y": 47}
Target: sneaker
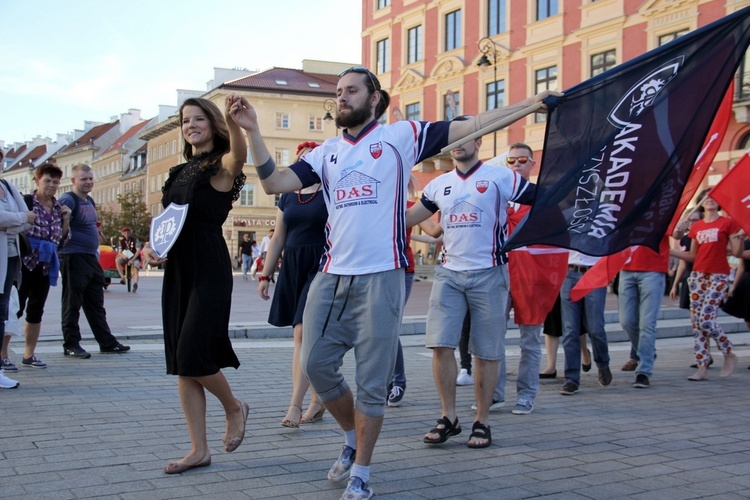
{"x": 630, "y": 366}
{"x": 568, "y": 389}
{"x": 118, "y": 347}
{"x": 340, "y": 469}
{"x": 641, "y": 381}
{"x": 7, "y": 365}
{"x": 135, "y": 287}
{"x": 356, "y": 489}
{"x": 77, "y": 352}
{"x": 523, "y": 407}
{"x": 7, "y": 383}
{"x": 605, "y": 377}
{"x": 494, "y": 406}
{"x": 464, "y": 378}
{"x": 396, "y": 395}
{"x": 122, "y": 281}
{"x": 33, "y": 362}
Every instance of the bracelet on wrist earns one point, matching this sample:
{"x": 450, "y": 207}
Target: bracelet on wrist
{"x": 264, "y": 278}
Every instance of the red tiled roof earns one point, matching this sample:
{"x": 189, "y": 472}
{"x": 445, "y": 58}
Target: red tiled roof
{"x": 296, "y": 81}
{"x": 89, "y": 137}
{"x": 29, "y": 158}
{"x": 124, "y": 137}
{"x": 15, "y": 153}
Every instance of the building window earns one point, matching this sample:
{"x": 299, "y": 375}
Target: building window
{"x": 246, "y": 195}
{"x": 153, "y": 184}
{"x": 315, "y": 123}
{"x": 276, "y": 199}
{"x": 174, "y": 146}
{"x": 602, "y": 62}
{"x": 663, "y": 39}
{"x": 545, "y": 79}
{"x": 453, "y": 30}
{"x": 496, "y": 94}
{"x": 414, "y": 45}
{"x": 281, "y": 156}
{"x": 383, "y": 50}
{"x": 451, "y": 105}
{"x": 545, "y": 9}
{"x": 412, "y": 111}
{"x": 382, "y": 4}
{"x": 282, "y": 120}
{"x": 495, "y": 17}
{"x": 742, "y": 87}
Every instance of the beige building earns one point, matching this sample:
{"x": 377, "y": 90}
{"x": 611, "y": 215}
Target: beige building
{"x": 292, "y": 105}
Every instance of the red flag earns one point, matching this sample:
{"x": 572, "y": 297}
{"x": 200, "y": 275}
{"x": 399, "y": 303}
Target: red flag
{"x": 536, "y": 276}
{"x": 706, "y": 157}
{"x": 733, "y": 193}
{"x": 601, "y": 273}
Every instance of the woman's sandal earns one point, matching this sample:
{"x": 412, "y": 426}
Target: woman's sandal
{"x": 447, "y": 430}
{"x": 480, "y": 431}
{"x": 288, "y": 422}
{"x": 234, "y": 443}
{"x": 178, "y": 468}
{"x": 315, "y": 418}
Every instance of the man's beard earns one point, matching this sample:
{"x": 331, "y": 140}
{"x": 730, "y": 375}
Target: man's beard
{"x": 354, "y": 117}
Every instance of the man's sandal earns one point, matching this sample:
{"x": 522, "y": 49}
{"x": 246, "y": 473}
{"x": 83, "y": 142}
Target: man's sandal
{"x": 480, "y": 431}
{"x": 447, "y": 430}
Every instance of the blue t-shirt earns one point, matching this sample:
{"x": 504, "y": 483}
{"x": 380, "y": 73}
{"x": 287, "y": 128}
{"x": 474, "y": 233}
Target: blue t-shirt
{"x": 84, "y": 235}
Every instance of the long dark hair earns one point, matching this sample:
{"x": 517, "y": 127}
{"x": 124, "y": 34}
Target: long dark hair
{"x": 219, "y": 127}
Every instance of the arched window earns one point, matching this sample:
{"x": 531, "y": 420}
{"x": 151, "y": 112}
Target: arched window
{"x": 744, "y": 142}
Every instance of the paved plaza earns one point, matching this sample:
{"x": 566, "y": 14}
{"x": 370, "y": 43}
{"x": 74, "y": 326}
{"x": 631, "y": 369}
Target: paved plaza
{"x": 105, "y": 427}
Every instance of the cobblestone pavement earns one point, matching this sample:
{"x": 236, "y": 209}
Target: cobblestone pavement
{"x": 105, "y": 427}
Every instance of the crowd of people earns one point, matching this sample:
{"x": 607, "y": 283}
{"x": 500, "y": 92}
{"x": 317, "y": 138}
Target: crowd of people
{"x": 343, "y": 226}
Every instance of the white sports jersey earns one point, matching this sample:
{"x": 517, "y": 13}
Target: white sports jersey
{"x": 364, "y": 181}
{"x": 474, "y": 216}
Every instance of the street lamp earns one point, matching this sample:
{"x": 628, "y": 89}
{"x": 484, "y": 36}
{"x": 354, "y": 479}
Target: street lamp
{"x": 487, "y": 48}
{"x": 330, "y": 105}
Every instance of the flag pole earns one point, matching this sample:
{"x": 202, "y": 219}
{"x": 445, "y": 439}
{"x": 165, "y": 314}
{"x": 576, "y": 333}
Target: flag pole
{"x": 495, "y": 126}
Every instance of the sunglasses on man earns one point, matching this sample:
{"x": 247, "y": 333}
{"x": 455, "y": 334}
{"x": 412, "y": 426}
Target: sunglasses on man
{"x": 511, "y": 160}
{"x": 364, "y": 71}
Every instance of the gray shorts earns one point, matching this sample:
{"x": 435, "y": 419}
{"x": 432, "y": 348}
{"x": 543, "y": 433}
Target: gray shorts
{"x": 353, "y": 312}
{"x": 484, "y": 293}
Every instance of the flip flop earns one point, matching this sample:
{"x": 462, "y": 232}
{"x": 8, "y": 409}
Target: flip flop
{"x": 449, "y": 429}
{"x": 481, "y": 431}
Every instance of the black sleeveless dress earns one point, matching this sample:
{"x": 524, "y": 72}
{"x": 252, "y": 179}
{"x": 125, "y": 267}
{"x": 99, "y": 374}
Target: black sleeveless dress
{"x": 197, "y": 288}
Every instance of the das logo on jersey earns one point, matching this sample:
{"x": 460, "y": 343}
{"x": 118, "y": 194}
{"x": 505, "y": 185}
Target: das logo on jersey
{"x": 376, "y": 150}
{"x": 482, "y": 186}
{"x": 354, "y": 187}
{"x": 463, "y": 214}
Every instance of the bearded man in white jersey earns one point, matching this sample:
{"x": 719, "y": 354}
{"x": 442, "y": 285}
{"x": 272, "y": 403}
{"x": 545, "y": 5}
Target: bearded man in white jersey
{"x": 472, "y": 200}
{"x": 356, "y": 301}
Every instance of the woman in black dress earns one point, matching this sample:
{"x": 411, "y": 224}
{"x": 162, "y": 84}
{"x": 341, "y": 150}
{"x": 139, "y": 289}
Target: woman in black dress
{"x": 300, "y": 233}
{"x": 197, "y": 289}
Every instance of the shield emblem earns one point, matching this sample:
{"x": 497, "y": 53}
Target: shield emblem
{"x": 376, "y": 150}
{"x": 482, "y": 186}
{"x": 166, "y": 227}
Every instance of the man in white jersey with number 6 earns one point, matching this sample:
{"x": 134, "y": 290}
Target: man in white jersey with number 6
{"x": 356, "y": 301}
{"x": 472, "y": 200}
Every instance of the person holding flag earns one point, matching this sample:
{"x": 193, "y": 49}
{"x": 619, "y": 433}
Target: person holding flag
{"x": 536, "y": 276}
{"x": 709, "y": 283}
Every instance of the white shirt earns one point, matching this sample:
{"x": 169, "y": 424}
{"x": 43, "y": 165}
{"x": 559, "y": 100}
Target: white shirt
{"x": 474, "y": 213}
{"x": 364, "y": 180}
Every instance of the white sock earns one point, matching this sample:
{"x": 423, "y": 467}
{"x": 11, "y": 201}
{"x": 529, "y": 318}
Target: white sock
{"x": 361, "y": 471}
{"x": 351, "y": 439}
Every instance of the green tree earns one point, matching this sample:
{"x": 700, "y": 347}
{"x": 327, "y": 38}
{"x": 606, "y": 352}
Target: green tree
{"x": 133, "y": 213}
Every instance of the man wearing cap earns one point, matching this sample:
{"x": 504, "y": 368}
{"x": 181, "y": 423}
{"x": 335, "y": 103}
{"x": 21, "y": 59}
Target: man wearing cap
{"x": 128, "y": 253}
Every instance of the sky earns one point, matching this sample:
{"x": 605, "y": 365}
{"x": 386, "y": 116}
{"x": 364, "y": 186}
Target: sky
{"x": 67, "y": 62}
